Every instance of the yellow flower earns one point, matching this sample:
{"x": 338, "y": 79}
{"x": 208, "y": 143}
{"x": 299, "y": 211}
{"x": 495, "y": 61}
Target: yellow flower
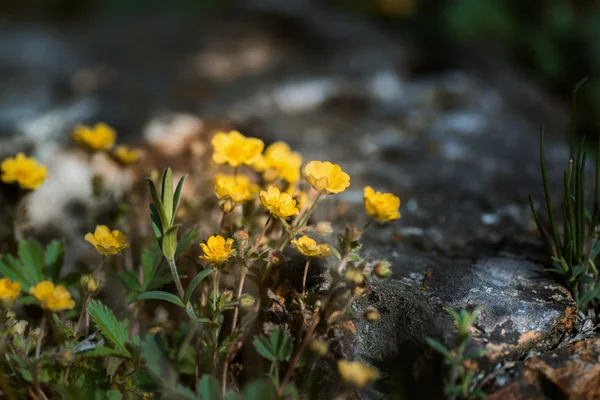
{"x": 126, "y": 155}
{"x": 310, "y": 248}
{"x": 217, "y": 249}
{"x": 235, "y": 149}
{"x": 383, "y": 206}
{"x": 53, "y": 298}
{"x": 107, "y": 242}
{"x": 284, "y": 162}
{"x": 23, "y": 170}
{"x": 326, "y": 177}
{"x": 9, "y": 291}
{"x": 237, "y": 188}
{"x": 99, "y": 137}
{"x": 356, "y": 373}
{"x": 279, "y": 204}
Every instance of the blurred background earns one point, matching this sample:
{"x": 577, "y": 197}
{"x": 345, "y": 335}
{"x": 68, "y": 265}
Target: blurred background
{"x": 52, "y": 48}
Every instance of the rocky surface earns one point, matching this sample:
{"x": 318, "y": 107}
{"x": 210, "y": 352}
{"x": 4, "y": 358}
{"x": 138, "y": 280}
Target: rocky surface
{"x": 459, "y": 146}
{"x": 572, "y": 372}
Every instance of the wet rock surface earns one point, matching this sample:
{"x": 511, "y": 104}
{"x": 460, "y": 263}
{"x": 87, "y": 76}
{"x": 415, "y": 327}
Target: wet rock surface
{"x": 454, "y": 144}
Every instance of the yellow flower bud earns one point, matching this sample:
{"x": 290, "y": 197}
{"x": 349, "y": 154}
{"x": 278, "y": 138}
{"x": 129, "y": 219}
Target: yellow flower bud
{"x": 383, "y": 269}
{"x": 227, "y": 296}
{"x": 89, "y": 284}
{"x": 356, "y": 373}
{"x": 319, "y": 346}
{"x": 372, "y": 314}
{"x": 355, "y": 276}
{"x": 247, "y": 301}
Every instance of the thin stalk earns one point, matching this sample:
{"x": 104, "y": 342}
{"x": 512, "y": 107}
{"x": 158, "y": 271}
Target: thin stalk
{"x": 557, "y": 244}
{"x": 572, "y": 122}
{"x": 81, "y": 315}
{"x": 303, "y": 219}
{"x": 369, "y": 222}
{"x": 581, "y": 216}
{"x": 173, "y": 268}
{"x": 305, "y": 275}
{"x": 538, "y": 224}
{"x": 38, "y": 346}
{"x": 215, "y": 288}
{"x": 239, "y": 294}
{"x": 262, "y": 234}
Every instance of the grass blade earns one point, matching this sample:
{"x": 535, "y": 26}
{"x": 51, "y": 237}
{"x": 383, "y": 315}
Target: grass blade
{"x": 557, "y": 244}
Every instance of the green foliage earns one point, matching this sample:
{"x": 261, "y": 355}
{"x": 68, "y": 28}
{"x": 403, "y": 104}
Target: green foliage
{"x": 574, "y": 251}
{"x": 458, "y": 381}
{"x": 113, "y": 329}
{"x": 277, "y": 347}
{"x": 34, "y": 264}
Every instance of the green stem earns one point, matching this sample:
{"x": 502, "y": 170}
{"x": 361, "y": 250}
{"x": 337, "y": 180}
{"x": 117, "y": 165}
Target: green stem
{"x": 547, "y": 194}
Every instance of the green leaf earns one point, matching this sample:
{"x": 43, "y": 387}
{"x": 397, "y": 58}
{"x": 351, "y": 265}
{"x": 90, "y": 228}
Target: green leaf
{"x": 130, "y": 281}
{"x": 114, "y": 395}
{"x": 195, "y": 282}
{"x": 263, "y": 347}
{"x": 595, "y": 251}
{"x": 281, "y": 343}
{"x": 336, "y": 253}
{"x": 277, "y": 348}
{"x": 160, "y": 295}
{"x": 109, "y": 325}
{"x": 157, "y": 223}
{"x": 577, "y": 269}
{"x": 187, "y": 239}
{"x": 178, "y": 195}
{"x": 209, "y": 389}
{"x": 32, "y": 257}
{"x": 158, "y": 206}
{"x": 154, "y": 350}
{"x": 151, "y": 258}
{"x": 181, "y": 391}
{"x": 54, "y": 259}
{"x": 587, "y": 297}
{"x": 258, "y": 390}
{"x": 440, "y": 348}
{"x": 12, "y": 269}
{"x": 290, "y": 391}
{"x": 231, "y": 395}
{"x": 167, "y": 195}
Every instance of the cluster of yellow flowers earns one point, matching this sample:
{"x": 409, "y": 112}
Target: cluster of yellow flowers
{"x": 102, "y": 137}
{"x": 53, "y": 298}
{"x": 25, "y": 171}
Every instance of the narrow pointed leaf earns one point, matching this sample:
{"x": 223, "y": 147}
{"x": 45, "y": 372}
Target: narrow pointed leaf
{"x": 195, "y": 282}
{"x": 160, "y": 295}
{"x": 177, "y": 195}
{"x": 167, "y": 195}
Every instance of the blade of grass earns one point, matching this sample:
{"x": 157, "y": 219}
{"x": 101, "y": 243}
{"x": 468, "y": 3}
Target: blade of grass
{"x": 557, "y": 244}
{"x": 581, "y": 215}
{"x": 572, "y": 125}
{"x": 538, "y": 223}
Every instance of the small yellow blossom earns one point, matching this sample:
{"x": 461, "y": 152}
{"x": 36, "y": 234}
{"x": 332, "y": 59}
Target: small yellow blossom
{"x": 235, "y": 149}
{"x": 89, "y": 283}
{"x": 279, "y": 204}
{"x": 107, "y": 242}
{"x": 23, "y": 170}
{"x": 310, "y": 248}
{"x": 356, "y": 373}
{"x": 217, "y": 249}
{"x": 99, "y": 137}
{"x": 383, "y": 206}
{"x": 9, "y": 291}
{"x": 237, "y": 188}
{"x": 53, "y": 298}
{"x": 354, "y": 275}
{"x": 126, "y": 155}
{"x": 326, "y": 177}
{"x": 281, "y": 161}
